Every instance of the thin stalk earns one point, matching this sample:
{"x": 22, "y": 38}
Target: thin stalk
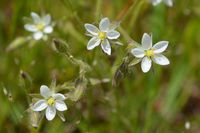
{"x": 98, "y": 9}
{"x": 126, "y": 10}
{"x": 68, "y": 4}
{"x": 136, "y": 13}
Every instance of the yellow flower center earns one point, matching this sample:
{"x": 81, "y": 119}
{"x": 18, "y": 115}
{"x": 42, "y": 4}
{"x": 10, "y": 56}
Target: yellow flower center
{"x": 51, "y": 101}
{"x": 102, "y": 35}
{"x": 40, "y": 26}
{"x": 149, "y": 53}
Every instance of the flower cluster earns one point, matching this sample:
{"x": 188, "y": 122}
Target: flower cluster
{"x": 147, "y": 53}
{"x": 102, "y": 35}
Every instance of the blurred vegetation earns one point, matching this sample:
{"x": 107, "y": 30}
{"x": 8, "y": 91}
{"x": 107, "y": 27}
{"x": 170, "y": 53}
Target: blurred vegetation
{"x": 161, "y": 101}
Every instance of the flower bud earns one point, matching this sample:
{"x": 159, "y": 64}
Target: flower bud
{"x": 61, "y": 46}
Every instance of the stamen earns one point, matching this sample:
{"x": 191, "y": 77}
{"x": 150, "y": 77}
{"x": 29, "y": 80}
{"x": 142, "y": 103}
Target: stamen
{"x": 149, "y": 53}
{"x": 51, "y": 101}
{"x": 102, "y": 35}
{"x": 40, "y": 26}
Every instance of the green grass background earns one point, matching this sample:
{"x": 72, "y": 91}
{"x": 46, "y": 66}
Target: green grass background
{"x": 156, "y": 102}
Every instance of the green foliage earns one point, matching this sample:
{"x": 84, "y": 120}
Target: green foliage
{"x": 105, "y": 93}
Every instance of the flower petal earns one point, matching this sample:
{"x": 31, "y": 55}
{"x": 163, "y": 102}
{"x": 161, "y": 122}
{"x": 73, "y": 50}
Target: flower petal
{"x": 59, "y": 96}
{"x": 104, "y": 24}
{"x": 92, "y": 29}
{"x": 36, "y": 17}
{"x": 138, "y": 52}
{"x": 160, "y": 46}
{"x": 47, "y": 19}
{"x": 48, "y": 29}
{"x": 160, "y": 59}
{"x": 105, "y": 45}
{"x": 168, "y": 2}
{"x": 30, "y": 27}
{"x": 45, "y": 91}
{"x": 93, "y": 43}
{"x": 39, "y": 105}
{"x": 60, "y": 105}
{"x": 155, "y": 2}
{"x": 146, "y": 64}
{"x": 113, "y": 34}
{"x": 38, "y": 35}
{"x": 114, "y": 25}
{"x": 50, "y": 112}
{"x": 146, "y": 41}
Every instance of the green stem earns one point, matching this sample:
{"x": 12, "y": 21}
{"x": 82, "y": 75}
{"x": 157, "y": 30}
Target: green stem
{"x": 151, "y": 91}
{"x": 98, "y": 9}
{"x": 68, "y": 4}
{"x": 136, "y": 13}
{"x": 127, "y": 11}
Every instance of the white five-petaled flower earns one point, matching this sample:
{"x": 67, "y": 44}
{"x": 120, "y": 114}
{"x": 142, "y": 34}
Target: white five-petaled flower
{"x": 51, "y": 102}
{"x": 101, "y": 35}
{"x": 147, "y": 53}
{"x": 40, "y": 26}
{"x": 167, "y": 2}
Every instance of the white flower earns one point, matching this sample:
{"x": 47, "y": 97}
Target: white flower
{"x": 40, "y": 26}
{"x": 148, "y": 53}
{"x": 101, "y": 35}
{"x": 51, "y": 102}
{"x": 167, "y": 2}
